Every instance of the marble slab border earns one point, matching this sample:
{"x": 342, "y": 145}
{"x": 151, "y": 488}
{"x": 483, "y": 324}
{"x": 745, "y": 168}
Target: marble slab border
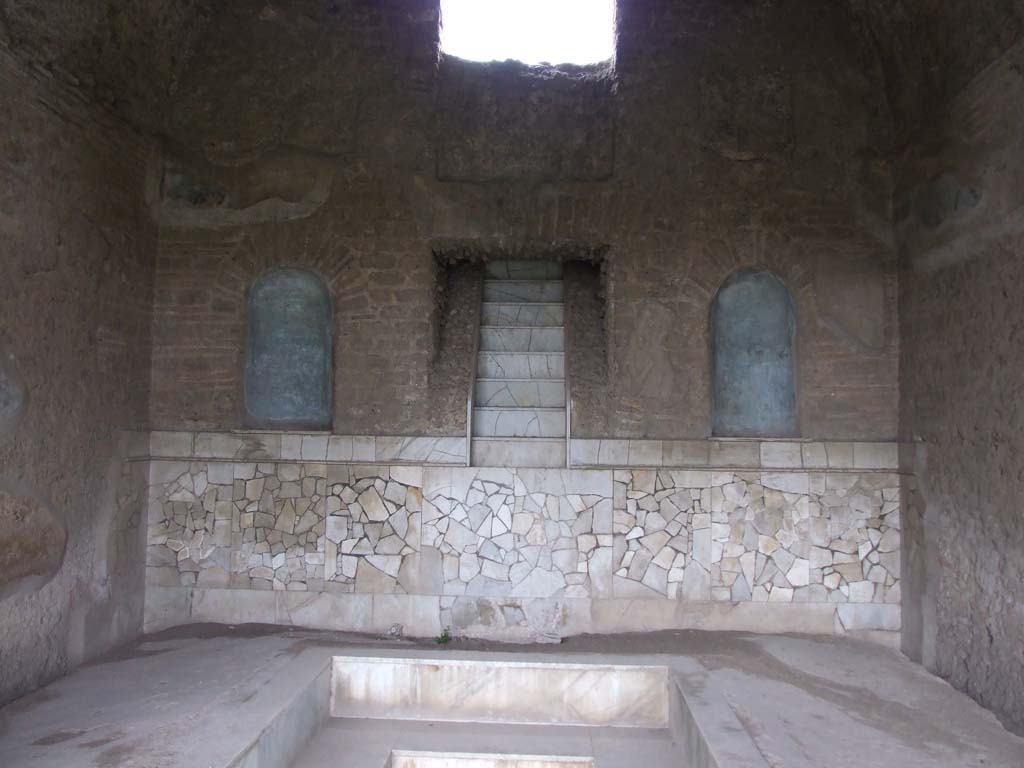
{"x": 585, "y": 452}
{"x": 739, "y": 454}
{"x": 314, "y": 446}
{"x": 427, "y": 615}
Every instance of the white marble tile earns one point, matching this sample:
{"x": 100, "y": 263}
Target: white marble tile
{"x": 513, "y": 291}
{"x": 685, "y": 453}
{"x": 876, "y": 455}
{"x": 519, "y": 393}
{"x": 645, "y": 453}
{"x": 533, "y": 452}
{"x": 522, "y": 340}
{"x": 507, "y": 692}
{"x": 513, "y": 269}
{"x": 518, "y": 422}
{"x": 585, "y": 452}
{"x": 814, "y": 455}
{"x": 170, "y": 444}
{"x": 520, "y": 365}
{"x": 840, "y": 455}
{"x": 612, "y": 453}
{"x": 781, "y": 455}
{"x": 734, "y": 453}
{"x": 535, "y": 314}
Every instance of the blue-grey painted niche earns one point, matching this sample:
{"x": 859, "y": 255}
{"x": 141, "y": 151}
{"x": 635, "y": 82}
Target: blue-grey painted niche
{"x": 754, "y": 381}
{"x": 288, "y": 371}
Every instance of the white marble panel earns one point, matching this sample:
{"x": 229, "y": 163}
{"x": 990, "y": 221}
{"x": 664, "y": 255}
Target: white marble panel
{"x": 500, "y": 691}
{"x": 522, "y": 452}
{"x": 242, "y": 446}
{"x": 522, "y": 340}
{"x": 411, "y": 759}
{"x": 520, "y": 365}
{"x": 518, "y": 422}
{"x": 513, "y": 393}
{"x": 734, "y": 453}
{"x": 429, "y": 450}
{"x": 170, "y": 444}
{"x": 784, "y": 455}
{"x": 524, "y": 290}
{"x": 516, "y": 313}
{"x": 523, "y": 270}
{"x": 876, "y": 455}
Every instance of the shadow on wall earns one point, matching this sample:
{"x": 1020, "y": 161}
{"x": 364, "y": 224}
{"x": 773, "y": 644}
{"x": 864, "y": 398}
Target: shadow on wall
{"x": 32, "y": 538}
{"x": 12, "y": 397}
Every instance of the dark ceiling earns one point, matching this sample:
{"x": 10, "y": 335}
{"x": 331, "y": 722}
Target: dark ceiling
{"x": 130, "y": 54}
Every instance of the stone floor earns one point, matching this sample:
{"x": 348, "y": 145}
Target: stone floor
{"x": 191, "y": 696}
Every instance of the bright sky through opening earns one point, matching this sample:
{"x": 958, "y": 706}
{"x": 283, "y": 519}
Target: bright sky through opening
{"x": 531, "y": 31}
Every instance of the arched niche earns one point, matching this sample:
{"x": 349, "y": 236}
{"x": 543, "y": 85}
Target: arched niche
{"x": 754, "y": 334}
{"x": 288, "y": 370}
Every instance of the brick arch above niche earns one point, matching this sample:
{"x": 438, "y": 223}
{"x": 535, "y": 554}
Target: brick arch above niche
{"x": 720, "y": 258}
{"x": 316, "y": 248}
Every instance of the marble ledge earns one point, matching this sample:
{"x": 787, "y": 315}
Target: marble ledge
{"x": 740, "y": 454}
{"x": 428, "y": 616}
{"x": 621, "y": 453}
{"x": 317, "y": 447}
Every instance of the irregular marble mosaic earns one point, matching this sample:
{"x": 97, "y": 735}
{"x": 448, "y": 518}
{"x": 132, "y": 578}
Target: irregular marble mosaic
{"x": 511, "y": 534}
{"x": 767, "y": 537}
{"x": 527, "y": 533}
{"x": 285, "y": 526}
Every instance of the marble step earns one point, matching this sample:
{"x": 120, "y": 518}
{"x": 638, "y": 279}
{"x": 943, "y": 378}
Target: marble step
{"x": 523, "y": 290}
{"x": 519, "y": 422}
{"x": 534, "y": 313}
{"x": 523, "y": 270}
{"x": 518, "y": 452}
{"x": 520, "y": 365}
{"x": 516, "y": 339}
{"x": 370, "y": 743}
{"x": 520, "y": 393}
{"x": 499, "y": 688}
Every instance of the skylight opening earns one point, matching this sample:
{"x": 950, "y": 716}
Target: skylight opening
{"x": 530, "y": 31}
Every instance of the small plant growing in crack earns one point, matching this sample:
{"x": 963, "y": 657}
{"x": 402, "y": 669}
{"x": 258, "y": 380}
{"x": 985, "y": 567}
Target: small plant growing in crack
{"x": 445, "y": 637}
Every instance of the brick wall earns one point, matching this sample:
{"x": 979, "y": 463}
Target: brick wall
{"x": 729, "y": 135}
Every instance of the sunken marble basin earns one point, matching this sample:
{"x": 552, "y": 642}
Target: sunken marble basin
{"x": 507, "y": 692}
{"x": 403, "y": 759}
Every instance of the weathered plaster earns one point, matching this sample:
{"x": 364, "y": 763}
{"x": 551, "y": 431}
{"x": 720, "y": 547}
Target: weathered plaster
{"x": 75, "y": 297}
{"x": 962, "y": 321}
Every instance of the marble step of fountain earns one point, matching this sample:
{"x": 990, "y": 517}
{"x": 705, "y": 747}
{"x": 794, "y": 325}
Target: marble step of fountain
{"x": 518, "y": 422}
{"x": 520, "y": 393}
{"x": 520, "y": 365}
{"x": 355, "y": 743}
{"x": 534, "y": 452}
{"x": 512, "y": 338}
{"x": 528, "y": 313}
{"x": 519, "y": 397}
{"x": 523, "y": 290}
{"x": 523, "y": 270}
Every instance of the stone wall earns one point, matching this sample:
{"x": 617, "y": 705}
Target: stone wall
{"x": 729, "y": 135}
{"x": 77, "y": 241}
{"x": 960, "y": 219}
{"x": 521, "y": 554}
